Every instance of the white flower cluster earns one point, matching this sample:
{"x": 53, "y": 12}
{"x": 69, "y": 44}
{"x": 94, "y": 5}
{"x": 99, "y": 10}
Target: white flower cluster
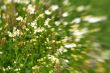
{"x": 82, "y": 8}
{"x": 54, "y": 7}
{"x": 66, "y": 2}
{"x": 52, "y": 58}
{"x": 1, "y": 52}
{"x": 51, "y": 9}
{"x": 65, "y": 14}
{"x": 57, "y": 23}
{"x": 19, "y": 18}
{"x": 31, "y": 9}
{"x": 94, "y": 19}
{"x": 76, "y": 20}
{"x": 39, "y": 29}
{"x": 16, "y": 32}
{"x": 80, "y": 33}
{"x": 70, "y": 45}
{"x": 46, "y": 23}
{"x": 47, "y": 12}
{"x": 33, "y": 24}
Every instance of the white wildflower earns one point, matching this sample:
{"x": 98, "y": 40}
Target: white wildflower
{"x": 16, "y": 32}
{"x": 65, "y": 60}
{"x": 14, "y": 62}
{"x": 31, "y": 9}
{"x": 105, "y": 55}
{"x": 60, "y": 50}
{"x": 81, "y": 8}
{"x": 35, "y": 67}
{"x": 46, "y": 23}
{"x": 41, "y": 15}
{"x": 47, "y": 12}
{"x": 1, "y": 52}
{"x": 57, "y": 23}
{"x": 65, "y": 14}
{"x": 17, "y": 69}
{"x": 66, "y": 2}
{"x": 80, "y": 32}
{"x": 94, "y": 19}
{"x": 38, "y": 30}
{"x": 65, "y": 23}
{"x": 33, "y": 24}
{"x": 19, "y": 18}
{"x": 3, "y": 7}
{"x": 9, "y": 67}
{"x": 54, "y": 7}
{"x": 69, "y": 45}
{"x": 65, "y": 50}
{"x": 76, "y": 20}
{"x": 52, "y": 58}
{"x": 10, "y": 34}
{"x": 1, "y": 28}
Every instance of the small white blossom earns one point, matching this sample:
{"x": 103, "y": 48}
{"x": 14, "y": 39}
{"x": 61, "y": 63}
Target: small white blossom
{"x": 81, "y": 8}
{"x": 76, "y": 20}
{"x": 65, "y": 60}
{"x": 0, "y": 28}
{"x": 10, "y": 34}
{"x": 14, "y": 62}
{"x": 33, "y": 24}
{"x": 69, "y": 45}
{"x": 93, "y": 19}
{"x": 19, "y": 18}
{"x": 57, "y": 23}
{"x": 9, "y": 67}
{"x": 38, "y": 30}
{"x": 17, "y": 69}
{"x": 46, "y": 23}
{"x": 31, "y": 9}
{"x": 65, "y": 23}
{"x": 47, "y": 12}
{"x": 65, "y": 14}
{"x": 41, "y": 15}
{"x": 54, "y": 7}
{"x": 3, "y": 7}
{"x": 60, "y": 50}
{"x": 35, "y": 67}
{"x": 66, "y": 2}
{"x": 52, "y": 58}
{"x": 16, "y": 32}
{"x": 80, "y": 32}
{"x": 1, "y": 52}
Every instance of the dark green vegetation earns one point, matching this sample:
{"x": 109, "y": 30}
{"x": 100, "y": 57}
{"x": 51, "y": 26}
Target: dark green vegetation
{"x": 54, "y": 36}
